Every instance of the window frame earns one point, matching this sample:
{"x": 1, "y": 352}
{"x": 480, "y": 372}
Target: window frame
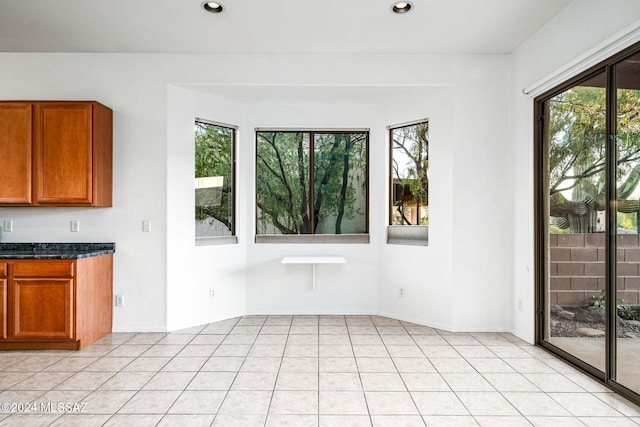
{"x": 608, "y": 66}
{"x": 403, "y": 234}
{"x": 312, "y": 237}
{"x": 233, "y": 238}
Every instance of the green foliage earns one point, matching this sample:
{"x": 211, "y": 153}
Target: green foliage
{"x": 577, "y": 147}
{"x": 283, "y": 182}
{"x": 340, "y": 182}
{"x": 214, "y": 158}
{"x": 410, "y": 170}
{"x": 628, "y": 312}
{"x": 555, "y": 230}
{"x": 600, "y": 300}
{"x": 290, "y": 201}
{"x": 577, "y": 139}
{"x": 627, "y": 221}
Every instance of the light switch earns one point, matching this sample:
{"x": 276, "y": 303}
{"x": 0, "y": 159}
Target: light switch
{"x": 119, "y": 300}
{"x": 146, "y": 225}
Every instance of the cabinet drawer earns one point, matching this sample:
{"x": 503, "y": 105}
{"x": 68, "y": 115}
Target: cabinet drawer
{"x": 3, "y": 269}
{"x": 43, "y": 269}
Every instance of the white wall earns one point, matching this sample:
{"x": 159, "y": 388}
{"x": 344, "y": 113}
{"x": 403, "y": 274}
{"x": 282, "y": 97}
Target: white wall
{"x": 579, "y": 28}
{"x": 462, "y": 280}
{"x": 192, "y": 271}
{"x": 139, "y": 173}
{"x": 482, "y": 218}
{"x": 424, "y": 273}
{"x": 341, "y": 288}
{"x": 479, "y": 263}
{"x": 459, "y": 281}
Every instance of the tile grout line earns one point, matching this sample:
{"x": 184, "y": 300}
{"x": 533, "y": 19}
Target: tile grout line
{"x": 522, "y": 371}
{"x": 398, "y": 371}
{"x": 116, "y": 412}
{"x": 141, "y": 388}
{"x": 200, "y": 370}
{"x": 156, "y": 372}
{"x": 364, "y": 396}
{"x": 236, "y": 374}
{"x": 273, "y": 392}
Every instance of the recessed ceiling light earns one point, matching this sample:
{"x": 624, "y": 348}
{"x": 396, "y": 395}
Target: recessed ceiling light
{"x": 401, "y": 7}
{"x": 213, "y": 7}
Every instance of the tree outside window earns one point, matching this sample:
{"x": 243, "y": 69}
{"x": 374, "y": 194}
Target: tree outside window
{"x": 409, "y": 174}
{"x": 577, "y": 157}
{"x": 311, "y": 182}
{"x": 214, "y": 174}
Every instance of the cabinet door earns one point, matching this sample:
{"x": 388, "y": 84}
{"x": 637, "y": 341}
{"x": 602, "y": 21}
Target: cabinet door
{"x": 64, "y": 153}
{"x": 3, "y": 309}
{"x": 15, "y": 153}
{"x": 42, "y": 308}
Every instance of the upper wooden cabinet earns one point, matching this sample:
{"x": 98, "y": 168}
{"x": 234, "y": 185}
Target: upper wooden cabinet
{"x": 15, "y": 153}
{"x": 59, "y": 153}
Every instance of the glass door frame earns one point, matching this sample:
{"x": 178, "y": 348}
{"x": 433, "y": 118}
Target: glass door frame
{"x": 541, "y": 229}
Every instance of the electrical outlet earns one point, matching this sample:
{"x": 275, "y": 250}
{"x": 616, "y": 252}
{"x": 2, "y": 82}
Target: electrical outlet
{"x": 212, "y": 293}
{"x": 520, "y": 304}
{"x": 75, "y": 225}
{"x": 7, "y": 226}
{"x": 119, "y": 300}
{"x": 146, "y": 225}
{"x": 401, "y": 292}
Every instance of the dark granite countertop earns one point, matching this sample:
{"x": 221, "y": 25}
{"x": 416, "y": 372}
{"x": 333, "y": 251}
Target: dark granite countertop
{"x": 54, "y": 250}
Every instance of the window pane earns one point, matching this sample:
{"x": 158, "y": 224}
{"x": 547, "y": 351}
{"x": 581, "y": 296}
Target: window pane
{"x": 410, "y": 175}
{"x": 575, "y": 136}
{"x": 340, "y": 183}
{"x": 282, "y": 183}
{"x": 213, "y": 183}
{"x": 627, "y": 130}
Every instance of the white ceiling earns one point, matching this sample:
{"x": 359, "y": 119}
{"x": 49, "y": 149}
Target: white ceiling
{"x": 272, "y": 26}
{"x": 316, "y": 94}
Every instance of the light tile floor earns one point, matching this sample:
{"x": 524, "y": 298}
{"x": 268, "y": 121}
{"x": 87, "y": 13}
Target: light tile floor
{"x": 304, "y": 371}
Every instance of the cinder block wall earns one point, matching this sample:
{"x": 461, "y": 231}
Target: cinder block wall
{"x": 577, "y": 268}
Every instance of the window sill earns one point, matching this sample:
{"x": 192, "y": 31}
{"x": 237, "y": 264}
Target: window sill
{"x": 313, "y": 238}
{"x": 218, "y": 240}
{"x": 409, "y": 235}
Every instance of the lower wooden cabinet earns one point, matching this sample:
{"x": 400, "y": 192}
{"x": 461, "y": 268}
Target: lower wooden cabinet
{"x": 56, "y": 304}
{"x": 3, "y": 301}
{"x": 42, "y": 308}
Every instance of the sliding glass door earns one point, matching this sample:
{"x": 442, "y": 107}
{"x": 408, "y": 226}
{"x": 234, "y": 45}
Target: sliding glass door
{"x": 575, "y": 151}
{"x": 627, "y": 150}
{"x": 588, "y": 168}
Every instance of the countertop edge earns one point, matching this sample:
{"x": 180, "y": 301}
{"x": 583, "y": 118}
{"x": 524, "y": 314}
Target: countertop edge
{"x": 54, "y": 250}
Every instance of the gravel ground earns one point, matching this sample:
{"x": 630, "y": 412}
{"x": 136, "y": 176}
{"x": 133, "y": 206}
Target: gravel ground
{"x": 561, "y": 327}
